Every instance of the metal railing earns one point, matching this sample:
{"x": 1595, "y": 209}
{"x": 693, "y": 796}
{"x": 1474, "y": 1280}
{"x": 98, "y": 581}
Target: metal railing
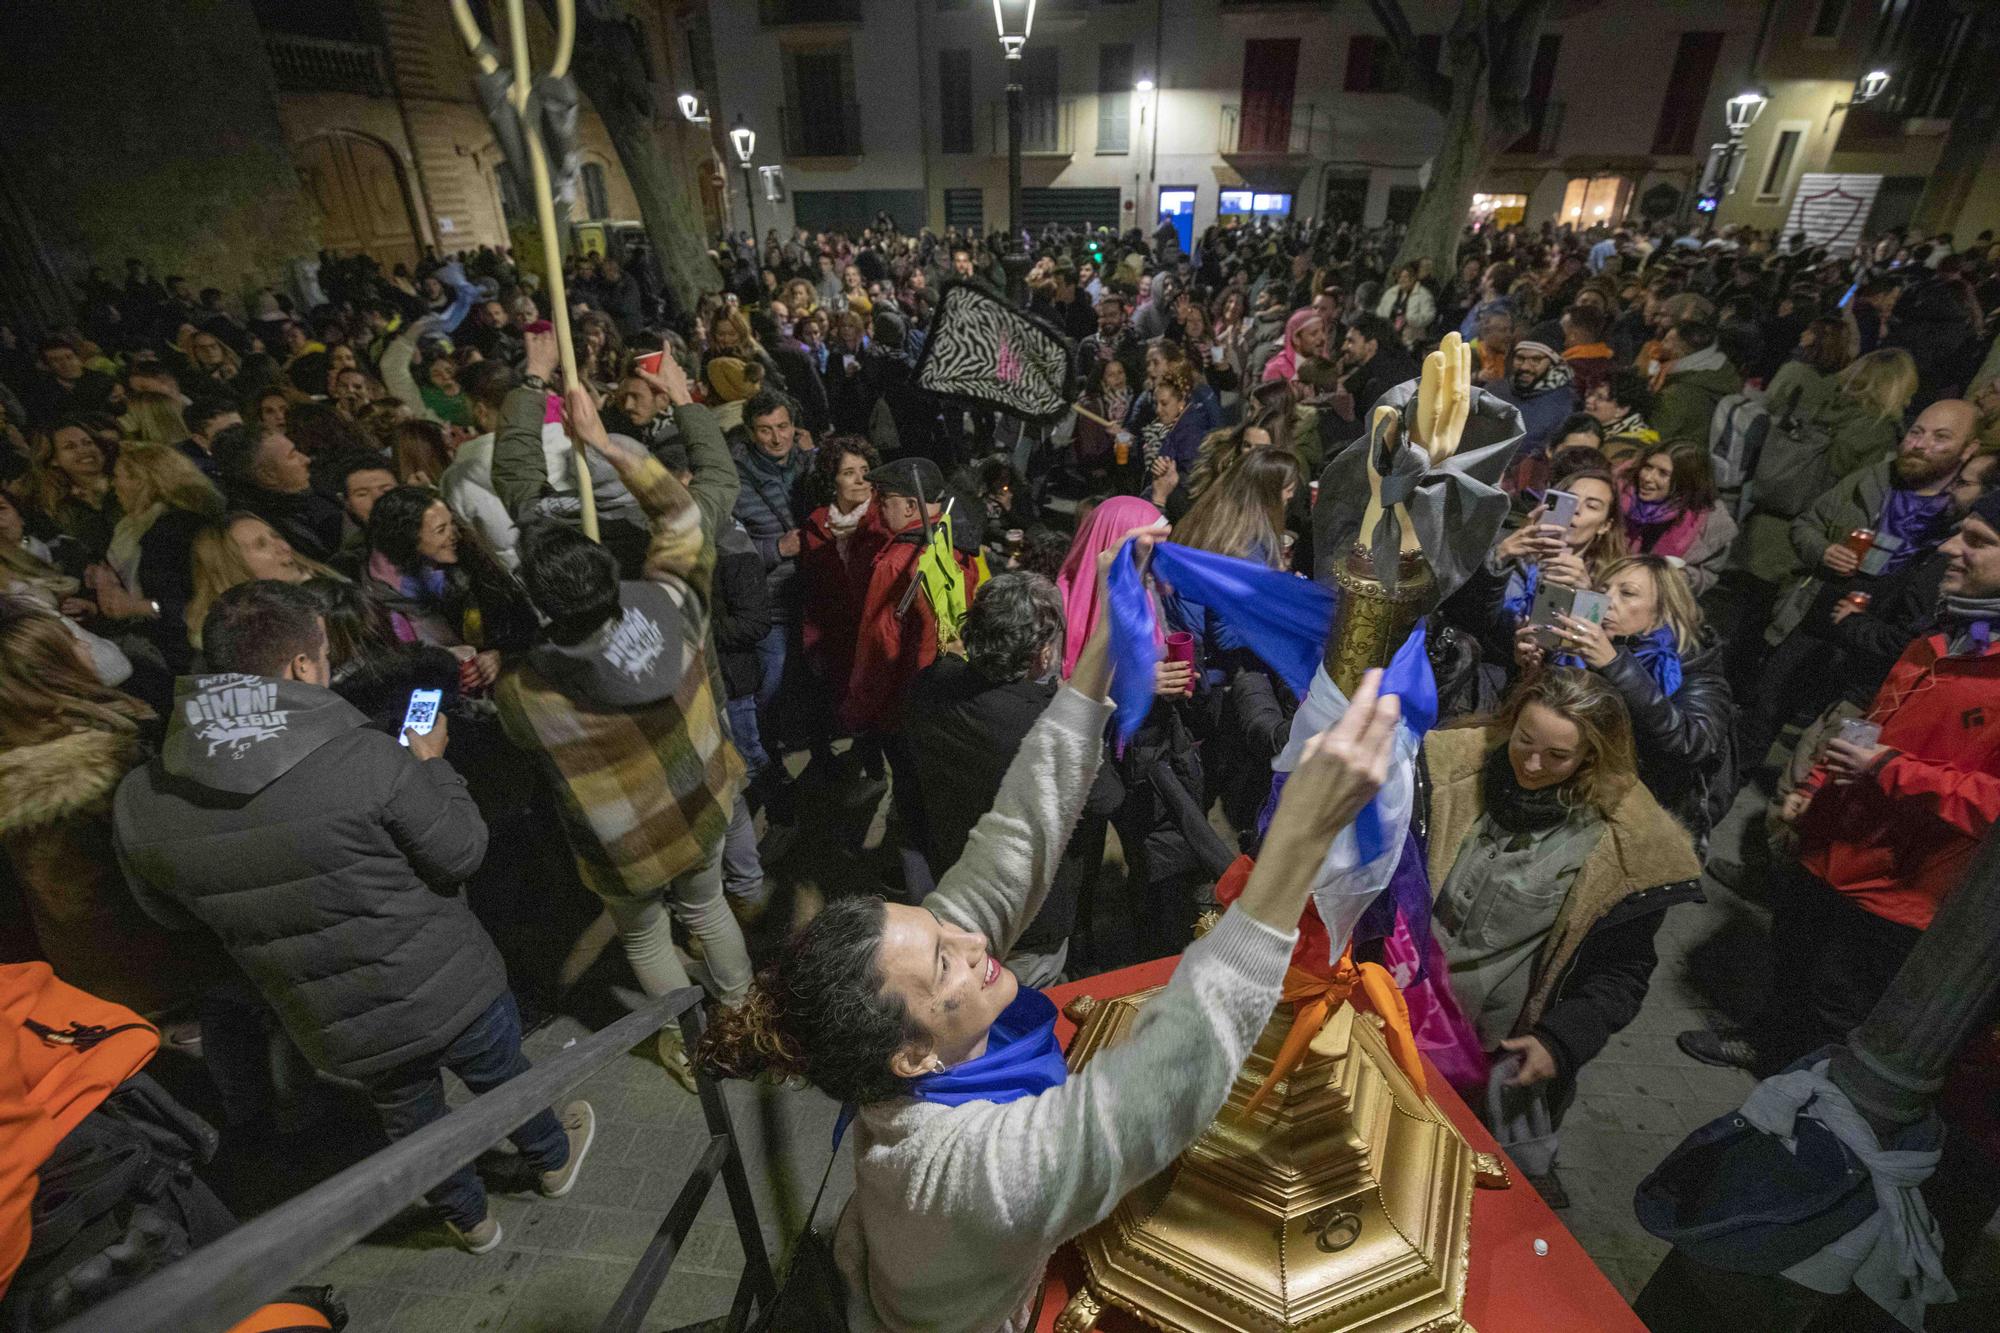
{"x": 1048, "y": 126}
{"x": 220, "y": 1283}
{"x": 825, "y": 131}
{"x": 321, "y": 64}
{"x": 1301, "y": 130}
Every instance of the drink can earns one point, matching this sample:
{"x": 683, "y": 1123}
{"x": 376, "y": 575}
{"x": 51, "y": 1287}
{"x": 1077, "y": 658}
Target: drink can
{"x": 1315, "y": 492}
{"x": 1857, "y": 600}
{"x": 1860, "y": 540}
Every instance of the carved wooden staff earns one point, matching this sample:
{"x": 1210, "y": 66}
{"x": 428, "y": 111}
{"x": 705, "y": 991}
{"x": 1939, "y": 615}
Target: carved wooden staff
{"x": 520, "y": 95}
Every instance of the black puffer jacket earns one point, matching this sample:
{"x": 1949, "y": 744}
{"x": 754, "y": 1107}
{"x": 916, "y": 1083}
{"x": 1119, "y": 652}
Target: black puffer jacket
{"x": 327, "y": 859}
{"x": 742, "y": 610}
{"x": 965, "y": 731}
{"x": 1686, "y": 754}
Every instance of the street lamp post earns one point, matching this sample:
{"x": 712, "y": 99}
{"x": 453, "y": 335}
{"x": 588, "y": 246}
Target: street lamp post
{"x": 1740, "y": 113}
{"x": 1014, "y": 19}
{"x": 744, "y": 140}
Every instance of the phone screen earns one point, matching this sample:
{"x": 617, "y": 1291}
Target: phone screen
{"x": 421, "y": 715}
{"x": 1589, "y": 606}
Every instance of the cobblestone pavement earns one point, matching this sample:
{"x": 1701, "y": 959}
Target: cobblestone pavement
{"x": 562, "y": 1262}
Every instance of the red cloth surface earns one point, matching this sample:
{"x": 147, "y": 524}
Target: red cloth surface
{"x": 1510, "y": 1288}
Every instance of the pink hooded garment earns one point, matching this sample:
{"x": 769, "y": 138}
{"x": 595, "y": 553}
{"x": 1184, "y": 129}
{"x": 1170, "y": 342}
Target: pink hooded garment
{"x": 1284, "y": 365}
{"x": 1078, "y": 579}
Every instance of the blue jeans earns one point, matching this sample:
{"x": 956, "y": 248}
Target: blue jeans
{"x": 485, "y": 1055}
{"x": 743, "y": 729}
{"x": 771, "y": 656}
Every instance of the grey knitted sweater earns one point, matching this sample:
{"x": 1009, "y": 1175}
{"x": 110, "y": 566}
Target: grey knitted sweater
{"x": 956, "y": 1209}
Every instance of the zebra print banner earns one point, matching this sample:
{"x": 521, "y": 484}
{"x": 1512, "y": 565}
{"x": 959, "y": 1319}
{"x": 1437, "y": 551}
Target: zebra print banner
{"x": 982, "y": 350}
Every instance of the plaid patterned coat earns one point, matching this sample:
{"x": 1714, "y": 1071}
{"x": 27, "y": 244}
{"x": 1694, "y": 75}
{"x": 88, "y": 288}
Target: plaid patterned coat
{"x": 646, "y": 791}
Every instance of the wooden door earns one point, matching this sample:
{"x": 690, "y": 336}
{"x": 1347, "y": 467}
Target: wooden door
{"x": 359, "y": 189}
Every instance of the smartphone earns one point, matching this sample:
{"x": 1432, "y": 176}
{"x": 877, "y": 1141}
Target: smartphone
{"x": 421, "y": 715}
{"x": 1555, "y": 599}
{"x": 1562, "y": 506}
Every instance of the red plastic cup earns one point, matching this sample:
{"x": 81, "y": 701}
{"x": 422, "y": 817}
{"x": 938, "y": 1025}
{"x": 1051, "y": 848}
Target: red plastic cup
{"x": 1180, "y": 648}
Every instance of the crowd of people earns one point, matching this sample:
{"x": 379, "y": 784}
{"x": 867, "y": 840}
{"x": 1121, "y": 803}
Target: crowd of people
{"x": 235, "y": 541}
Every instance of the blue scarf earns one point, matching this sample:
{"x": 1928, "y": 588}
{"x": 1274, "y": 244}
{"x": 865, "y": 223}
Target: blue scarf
{"x": 1919, "y": 521}
{"x": 1022, "y": 1059}
{"x": 1519, "y": 597}
{"x": 1657, "y": 652}
{"x": 1281, "y": 618}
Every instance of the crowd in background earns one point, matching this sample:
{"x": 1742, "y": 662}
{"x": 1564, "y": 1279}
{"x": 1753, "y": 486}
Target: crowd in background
{"x": 817, "y": 579}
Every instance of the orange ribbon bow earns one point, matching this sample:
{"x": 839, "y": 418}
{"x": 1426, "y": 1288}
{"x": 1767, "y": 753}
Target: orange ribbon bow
{"x": 1314, "y": 999}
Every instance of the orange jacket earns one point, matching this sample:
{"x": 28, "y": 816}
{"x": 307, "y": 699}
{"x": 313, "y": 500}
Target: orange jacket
{"x": 1898, "y": 840}
{"x": 48, "y": 1084}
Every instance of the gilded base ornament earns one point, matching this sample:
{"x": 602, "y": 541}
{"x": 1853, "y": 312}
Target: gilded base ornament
{"x": 1371, "y": 622}
{"x": 1342, "y": 1205}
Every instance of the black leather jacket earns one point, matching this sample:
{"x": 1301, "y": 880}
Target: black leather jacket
{"x": 1686, "y": 755}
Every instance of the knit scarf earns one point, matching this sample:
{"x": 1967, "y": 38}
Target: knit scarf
{"x": 1918, "y": 521}
{"x": 843, "y": 526}
{"x": 1969, "y": 621}
{"x": 1513, "y": 807}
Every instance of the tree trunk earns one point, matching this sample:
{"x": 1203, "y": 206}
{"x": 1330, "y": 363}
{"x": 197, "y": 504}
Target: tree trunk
{"x": 1469, "y": 144}
{"x": 609, "y": 71}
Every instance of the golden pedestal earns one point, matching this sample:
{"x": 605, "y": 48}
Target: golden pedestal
{"x": 1344, "y": 1203}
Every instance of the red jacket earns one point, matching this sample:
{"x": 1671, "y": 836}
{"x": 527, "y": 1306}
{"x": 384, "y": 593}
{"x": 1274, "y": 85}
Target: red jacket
{"x": 889, "y": 650}
{"x": 1899, "y": 840}
{"x": 835, "y": 584}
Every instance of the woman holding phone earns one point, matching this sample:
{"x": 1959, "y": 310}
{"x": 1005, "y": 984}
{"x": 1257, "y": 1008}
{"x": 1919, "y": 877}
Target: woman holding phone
{"x": 1570, "y": 538}
{"x": 976, "y": 1153}
{"x": 1652, "y": 648}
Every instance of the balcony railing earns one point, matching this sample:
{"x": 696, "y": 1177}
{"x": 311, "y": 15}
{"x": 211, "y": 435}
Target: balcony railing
{"x": 831, "y": 131}
{"x": 322, "y": 65}
{"x": 784, "y": 13}
{"x": 1300, "y": 130}
{"x": 1048, "y": 126}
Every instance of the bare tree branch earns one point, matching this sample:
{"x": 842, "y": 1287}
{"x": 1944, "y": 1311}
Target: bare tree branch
{"x": 1421, "y": 82}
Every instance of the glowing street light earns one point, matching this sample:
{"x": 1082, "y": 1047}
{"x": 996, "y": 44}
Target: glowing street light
{"x": 1015, "y": 19}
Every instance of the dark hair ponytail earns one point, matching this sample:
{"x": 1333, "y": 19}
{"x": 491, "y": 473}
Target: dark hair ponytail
{"x": 819, "y": 1013}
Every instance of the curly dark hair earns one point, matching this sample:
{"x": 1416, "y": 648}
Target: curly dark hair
{"x": 1014, "y": 616}
{"x": 820, "y": 1013}
{"x": 821, "y": 484}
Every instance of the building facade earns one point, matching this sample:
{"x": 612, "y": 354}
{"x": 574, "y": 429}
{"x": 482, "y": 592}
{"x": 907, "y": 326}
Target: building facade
{"x": 1200, "y": 110}
{"x": 230, "y": 139}
{"x": 1824, "y": 150}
